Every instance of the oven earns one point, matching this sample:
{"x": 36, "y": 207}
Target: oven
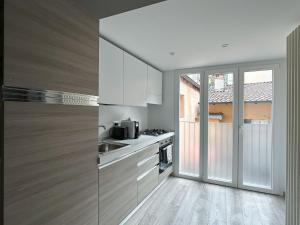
{"x": 165, "y": 154}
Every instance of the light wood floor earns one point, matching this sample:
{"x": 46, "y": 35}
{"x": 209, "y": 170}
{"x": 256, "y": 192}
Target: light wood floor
{"x": 185, "y": 202}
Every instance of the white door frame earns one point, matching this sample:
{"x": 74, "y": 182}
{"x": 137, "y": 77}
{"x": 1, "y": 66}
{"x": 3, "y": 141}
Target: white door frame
{"x": 177, "y": 124}
{"x": 279, "y": 148}
{"x": 274, "y": 177}
{"x": 233, "y": 70}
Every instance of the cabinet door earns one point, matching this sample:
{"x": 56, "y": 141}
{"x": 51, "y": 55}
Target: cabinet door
{"x": 147, "y": 183}
{"x": 51, "y": 45}
{"x": 117, "y": 190}
{"x": 154, "y": 86}
{"x": 135, "y": 81}
{"x": 50, "y": 164}
{"x": 110, "y": 73}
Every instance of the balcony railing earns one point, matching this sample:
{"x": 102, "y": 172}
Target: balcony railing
{"x": 257, "y": 155}
{"x": 257, "y": 149}
{"x": 189, "y": 150}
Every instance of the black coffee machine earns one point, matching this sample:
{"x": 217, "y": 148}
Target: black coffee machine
{"x": 126, "y": 129}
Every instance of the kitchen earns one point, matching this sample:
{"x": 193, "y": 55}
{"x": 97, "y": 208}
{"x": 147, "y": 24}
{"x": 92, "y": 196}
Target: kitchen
{"x": 139, "y": 163}
{"x": 116, "y": 112}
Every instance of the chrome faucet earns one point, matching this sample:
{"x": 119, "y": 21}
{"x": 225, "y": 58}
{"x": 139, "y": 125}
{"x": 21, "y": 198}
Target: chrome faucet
{"x": 104, "y": 127}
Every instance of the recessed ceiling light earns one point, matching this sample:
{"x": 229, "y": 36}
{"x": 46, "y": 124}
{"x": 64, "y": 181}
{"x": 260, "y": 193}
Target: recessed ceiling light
{"x": 225, "y": 45}
{"x": 172, "y": 53}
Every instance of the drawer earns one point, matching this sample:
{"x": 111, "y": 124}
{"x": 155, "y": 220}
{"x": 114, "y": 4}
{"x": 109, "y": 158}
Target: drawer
{"x": 148, "y": 152}
{"x": 117, "y": 190}
{"x": 147, "y": 183}
{"x": 147, "y": 164}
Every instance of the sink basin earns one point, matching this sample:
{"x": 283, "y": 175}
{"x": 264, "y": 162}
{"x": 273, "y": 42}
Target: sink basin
{"x": 107, "y": 147}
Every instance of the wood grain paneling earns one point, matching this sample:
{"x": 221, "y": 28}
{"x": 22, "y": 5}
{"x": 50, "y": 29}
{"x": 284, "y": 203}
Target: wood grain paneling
{"x": 51, "y": 45}
{"x": 148, "y": 164}
{"x": 50, "y": 164}
{"x": 147, "y": 184}
{"x": 117, "y": 190}
{"x": 293, "y": 129}
{"x": 147, "y": 152}
{"x": 187, "y": 202}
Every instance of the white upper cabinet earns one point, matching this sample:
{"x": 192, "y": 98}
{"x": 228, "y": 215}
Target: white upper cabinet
{"x": 135, "y": 81}
{"x": 154, "y": 86}
{"x": 111, "y": 75}
{"x": 126, "y": 80}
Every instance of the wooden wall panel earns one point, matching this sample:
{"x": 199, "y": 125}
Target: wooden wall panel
{"x": 52, "y": 45}
{"x": 50, "y": 164}
{"x": 293, "y": 129}
{"x": 117, "y": 190}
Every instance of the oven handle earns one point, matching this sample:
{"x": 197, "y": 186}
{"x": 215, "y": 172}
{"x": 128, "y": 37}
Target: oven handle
{"x": 163, "y": 148}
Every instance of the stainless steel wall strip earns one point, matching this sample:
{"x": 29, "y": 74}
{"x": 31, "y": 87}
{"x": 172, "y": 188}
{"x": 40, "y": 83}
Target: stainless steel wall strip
{"x": 47, "y": 96}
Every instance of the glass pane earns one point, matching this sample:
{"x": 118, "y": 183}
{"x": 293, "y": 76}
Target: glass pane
{"x": 257, "y": 129}
{"x": 189, "y": 149}
{"x": 220, "y": 126}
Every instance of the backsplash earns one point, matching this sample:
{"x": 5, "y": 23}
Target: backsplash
{"x": 108, "y": 114}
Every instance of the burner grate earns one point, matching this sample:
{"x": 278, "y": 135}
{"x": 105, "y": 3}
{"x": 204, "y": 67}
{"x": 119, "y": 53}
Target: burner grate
{"x": 154, "y": 132}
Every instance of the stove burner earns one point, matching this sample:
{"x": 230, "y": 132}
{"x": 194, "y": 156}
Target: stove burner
{"x": 154, "y": 132}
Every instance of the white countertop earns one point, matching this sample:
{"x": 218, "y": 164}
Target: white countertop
{"x": 133, "y": 146}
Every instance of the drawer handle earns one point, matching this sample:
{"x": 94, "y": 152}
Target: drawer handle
{"x": 146, "y": 173}
{"x": 147, "y": 159}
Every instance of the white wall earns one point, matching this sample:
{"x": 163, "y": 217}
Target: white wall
{"x": 162, "y": 116}
{"x": 110, "y": 113}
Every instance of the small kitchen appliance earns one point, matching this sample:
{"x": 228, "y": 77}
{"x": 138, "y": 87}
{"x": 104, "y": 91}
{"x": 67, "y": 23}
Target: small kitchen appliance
{"x": 133, "y": 128}
{"x": 119, "y": 132}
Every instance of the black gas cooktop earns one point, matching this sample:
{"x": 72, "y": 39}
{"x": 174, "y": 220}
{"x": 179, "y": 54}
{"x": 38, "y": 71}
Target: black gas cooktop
{"x": 154, "y": 132}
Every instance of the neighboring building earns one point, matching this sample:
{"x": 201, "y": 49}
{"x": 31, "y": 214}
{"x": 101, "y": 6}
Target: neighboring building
{"x": 257, "y": 107}
{"x": 189, "y": 100}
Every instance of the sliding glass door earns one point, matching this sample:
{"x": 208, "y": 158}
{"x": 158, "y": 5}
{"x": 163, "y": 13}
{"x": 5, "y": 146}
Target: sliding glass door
{"x": 233, "y": 109}
{"x": 189, "y": 125}
{"x": 256, "y": 129}
{"x": 220, "y": 127}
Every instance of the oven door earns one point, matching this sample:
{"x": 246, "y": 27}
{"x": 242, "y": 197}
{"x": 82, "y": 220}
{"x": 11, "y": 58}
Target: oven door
{"x": 166, "y": 154}
{"x": 169, "y": 150}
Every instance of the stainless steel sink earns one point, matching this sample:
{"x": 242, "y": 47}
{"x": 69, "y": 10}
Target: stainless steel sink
{"x": 107, "y": 147}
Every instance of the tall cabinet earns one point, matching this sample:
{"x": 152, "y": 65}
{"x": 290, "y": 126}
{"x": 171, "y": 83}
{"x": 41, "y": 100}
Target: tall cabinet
{"x": 50, "y": 128}
{"x": 293, "y": 129}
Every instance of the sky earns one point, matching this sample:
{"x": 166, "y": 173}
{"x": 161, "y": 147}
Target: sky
{"x": 258, "y": 76}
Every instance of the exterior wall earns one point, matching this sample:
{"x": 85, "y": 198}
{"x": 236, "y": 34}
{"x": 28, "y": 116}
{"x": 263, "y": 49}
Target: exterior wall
{"x": 189, "y": 102}
{"x": 254, "y": 111}
{"x": 189, "y": 107}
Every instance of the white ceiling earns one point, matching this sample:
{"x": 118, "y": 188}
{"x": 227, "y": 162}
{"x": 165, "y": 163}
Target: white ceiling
{"x": 196, "y": 29}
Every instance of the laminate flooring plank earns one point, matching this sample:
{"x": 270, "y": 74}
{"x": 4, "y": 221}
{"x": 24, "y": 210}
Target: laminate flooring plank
{"x": 186, "y": 202}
